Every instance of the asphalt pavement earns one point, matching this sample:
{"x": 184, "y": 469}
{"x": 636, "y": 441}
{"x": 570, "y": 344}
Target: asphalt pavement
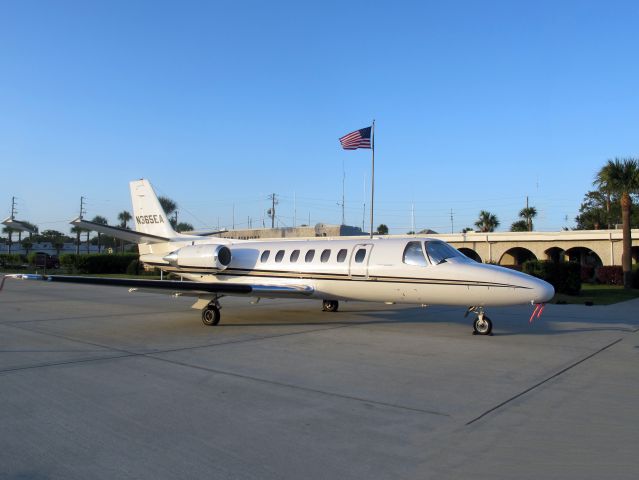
{"x": 100, "y": 383}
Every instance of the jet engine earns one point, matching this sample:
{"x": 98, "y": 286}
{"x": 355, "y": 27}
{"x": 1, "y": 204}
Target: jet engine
{"x": 217, "y": 257}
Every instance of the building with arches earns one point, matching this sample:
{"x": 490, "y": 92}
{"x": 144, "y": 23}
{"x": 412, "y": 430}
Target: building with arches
{"x": 588, "y": 247}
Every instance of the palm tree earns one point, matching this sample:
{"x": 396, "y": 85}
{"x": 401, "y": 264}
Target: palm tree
{"x": 487, "y": 222}
{"x": 382, "y": 229}
{"x": 102, "y": 221}
{"x": 528, "y": 214}
{"x": 9, "y": 231}
{"x": 621, "y": 177}
{"x": 124, "y": 218}
{"x": 27, "y": 244}
{"x": 519, "y": 226}
{"x": 183, "y": 227}
{"x": 77, "y": 230}
{"x": 169, "y": 206}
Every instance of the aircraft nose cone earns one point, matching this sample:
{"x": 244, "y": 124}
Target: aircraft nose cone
{"x": 543, "y": 291}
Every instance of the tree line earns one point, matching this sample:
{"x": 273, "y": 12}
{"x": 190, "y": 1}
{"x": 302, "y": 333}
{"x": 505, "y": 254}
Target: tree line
{"x": 57, "y": 239}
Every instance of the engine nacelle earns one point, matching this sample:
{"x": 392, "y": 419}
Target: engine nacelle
{"x": 217, "y": 257}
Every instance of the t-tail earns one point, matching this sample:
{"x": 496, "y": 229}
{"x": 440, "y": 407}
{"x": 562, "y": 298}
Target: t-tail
{"x": 148, "y": 214}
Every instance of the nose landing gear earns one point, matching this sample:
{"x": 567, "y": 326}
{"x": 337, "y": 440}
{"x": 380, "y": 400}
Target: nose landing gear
{"x": 482, "y": 324}
{"x": 330, "y": 305}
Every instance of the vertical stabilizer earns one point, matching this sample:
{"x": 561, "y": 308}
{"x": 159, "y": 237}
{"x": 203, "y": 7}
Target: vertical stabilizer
{"x": 148, "y": 215}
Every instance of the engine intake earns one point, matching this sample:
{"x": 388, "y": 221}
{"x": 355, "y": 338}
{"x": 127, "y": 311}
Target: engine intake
{"x": 217, "y": 257}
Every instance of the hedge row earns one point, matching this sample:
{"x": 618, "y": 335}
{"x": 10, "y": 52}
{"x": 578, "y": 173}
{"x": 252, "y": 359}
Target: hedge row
{"x": 564, "y": 276}
{"x": 97, "y": 263}
{"x": 610, "y": 275}
{"x": 11, "y": 259}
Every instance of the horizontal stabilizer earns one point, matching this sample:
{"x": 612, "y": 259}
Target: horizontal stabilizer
{"x": 118, "y": 232}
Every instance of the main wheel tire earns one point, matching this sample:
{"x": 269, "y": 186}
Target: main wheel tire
{"x": 330, "y": 305}
{"x": 482, "y": 326}
{"x": 211, "y": 316}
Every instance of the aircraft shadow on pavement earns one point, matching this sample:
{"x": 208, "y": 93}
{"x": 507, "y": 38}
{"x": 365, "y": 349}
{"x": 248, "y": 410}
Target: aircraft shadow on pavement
{"x": 504, "y": 323}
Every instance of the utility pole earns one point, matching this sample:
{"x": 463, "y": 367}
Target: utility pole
{"x": 452, "y": 230}
{"x": 294, "y": 210}
{"x": 412, "y": 218}
{"x": 271, "y": 211}
{"x": 233, "y": 216}
{"x": 77, "y": 233}
{"x": 343, "y": 189}
{"x": 13, "y": 215}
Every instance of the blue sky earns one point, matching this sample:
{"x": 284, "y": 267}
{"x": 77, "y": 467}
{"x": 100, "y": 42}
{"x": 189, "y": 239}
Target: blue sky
{"x": 478, "y": 104}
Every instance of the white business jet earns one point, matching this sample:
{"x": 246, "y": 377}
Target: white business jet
{"x": 410, "y": 270}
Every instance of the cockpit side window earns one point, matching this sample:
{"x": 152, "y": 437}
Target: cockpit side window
{"x": 414, "y": 255}
{"x": 439, "y": 252}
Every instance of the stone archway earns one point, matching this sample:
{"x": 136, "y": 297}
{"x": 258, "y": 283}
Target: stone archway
{"x": 584, "y": 256}
{"x": 470, "y": 253}
{"x": 556, "y": 255}
{"x": 516, "y": 256}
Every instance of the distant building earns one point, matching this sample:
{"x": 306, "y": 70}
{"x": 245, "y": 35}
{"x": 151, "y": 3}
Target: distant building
{"x": 319, "y": 230}
{"x": 47, "y": 247}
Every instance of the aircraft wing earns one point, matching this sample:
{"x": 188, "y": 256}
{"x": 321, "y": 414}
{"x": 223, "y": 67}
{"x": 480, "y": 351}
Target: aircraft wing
{"x": 118, "y": 232}
{"x": 177, "y": 287}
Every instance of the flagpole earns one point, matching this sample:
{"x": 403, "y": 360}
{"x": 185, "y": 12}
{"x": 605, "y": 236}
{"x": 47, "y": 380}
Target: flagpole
{"x": 372, "y": 175}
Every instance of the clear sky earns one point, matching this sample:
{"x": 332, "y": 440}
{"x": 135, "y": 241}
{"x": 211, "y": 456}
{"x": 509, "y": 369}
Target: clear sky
{"x": 478, "y": 104}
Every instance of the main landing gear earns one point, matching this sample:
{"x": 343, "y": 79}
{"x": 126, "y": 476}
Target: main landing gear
{"x": 482, "y": 324}
{"x": 330, "y": 305}
{"x": 211, "y": 313}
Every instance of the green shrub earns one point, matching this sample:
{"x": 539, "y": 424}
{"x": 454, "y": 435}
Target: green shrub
{"x": 10, "y": 259}
{"x": 133, "y": 268}
{"x": 97, "y": 263}
{"x": 564, "y": 276}
{"x": 610, "y": 275}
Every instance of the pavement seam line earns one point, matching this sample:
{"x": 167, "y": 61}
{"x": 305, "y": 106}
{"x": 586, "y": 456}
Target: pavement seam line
{"x": 529, "y": 389}
{"x": 153, "y": 356}
{"x": 296, "y": 387}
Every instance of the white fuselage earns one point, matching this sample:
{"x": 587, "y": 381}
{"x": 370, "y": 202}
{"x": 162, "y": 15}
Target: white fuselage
{"x": 376, "y": 270}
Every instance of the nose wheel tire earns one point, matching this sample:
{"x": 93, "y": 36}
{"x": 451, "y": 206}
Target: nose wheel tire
{"x": 482, "y": 326}
{"x": 211, "y": 316}
{"x": 330, "y": 305}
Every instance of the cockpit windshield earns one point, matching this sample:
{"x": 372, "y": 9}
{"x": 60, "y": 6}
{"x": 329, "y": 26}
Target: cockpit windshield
{"x": 439, "y": 252}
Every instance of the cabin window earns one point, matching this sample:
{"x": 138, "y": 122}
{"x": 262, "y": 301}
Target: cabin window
{"x": 360, "y": 255}
{"x": 325, "y": 255}
{"x": 309, "y": 256}
{"x": 295, "y": 254}
{"x": 279, "y": 256}
{"x": 414, "y": 255}
{"x": 341, "y": 255}
{"x": 438, "y": 252}
{"x": 265, "y": 255}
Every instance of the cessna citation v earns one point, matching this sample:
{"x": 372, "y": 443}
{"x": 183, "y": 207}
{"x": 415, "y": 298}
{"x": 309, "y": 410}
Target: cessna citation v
{"x": 409, "y": 270}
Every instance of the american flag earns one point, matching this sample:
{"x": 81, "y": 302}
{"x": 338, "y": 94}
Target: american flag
{"x": 358, "y": 139}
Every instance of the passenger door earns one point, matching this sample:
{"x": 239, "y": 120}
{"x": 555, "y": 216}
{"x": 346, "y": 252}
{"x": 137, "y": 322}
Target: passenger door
{"x": 360, "y": 256}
